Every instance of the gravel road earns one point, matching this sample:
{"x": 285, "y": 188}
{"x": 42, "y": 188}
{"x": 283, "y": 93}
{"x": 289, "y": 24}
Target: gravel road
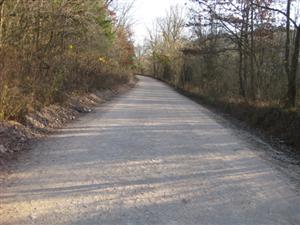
{"x": 151, "y": 156}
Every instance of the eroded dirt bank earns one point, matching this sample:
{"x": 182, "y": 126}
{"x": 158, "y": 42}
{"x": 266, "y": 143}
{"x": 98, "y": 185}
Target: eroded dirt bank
{"x": 151, "y": 156}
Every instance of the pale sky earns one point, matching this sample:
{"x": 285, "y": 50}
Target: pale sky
{"x": 146, "y": 12}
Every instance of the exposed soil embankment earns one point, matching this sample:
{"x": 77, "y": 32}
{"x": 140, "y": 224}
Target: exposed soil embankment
{"x": 15, "y": 136}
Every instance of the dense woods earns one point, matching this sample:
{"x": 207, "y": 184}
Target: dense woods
{"x": 247, "y": 50}
{"x": 49, "y": 48}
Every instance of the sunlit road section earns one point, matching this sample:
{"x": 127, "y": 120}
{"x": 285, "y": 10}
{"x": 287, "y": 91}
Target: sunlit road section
{"x": 151, "y": 156}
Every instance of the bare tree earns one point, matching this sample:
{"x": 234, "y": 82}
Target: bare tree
{"x": 291, "y": 51}
{"x": 165, "y": 42}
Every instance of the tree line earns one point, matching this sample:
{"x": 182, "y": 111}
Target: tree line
{"x": 51, "y": 47}
{"x": 241, "y": 49}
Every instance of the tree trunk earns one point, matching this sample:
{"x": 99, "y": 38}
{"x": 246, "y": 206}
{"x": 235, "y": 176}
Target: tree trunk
{"x": 1, "y": 22}
{"x": 287, "y": 43}
{"x": 245, "y": 41}
{"x": 252, "y": 70}
{"x": 292, "y": 78}
{"x": 241, "y": 80}
{"x": 290, "y": 92}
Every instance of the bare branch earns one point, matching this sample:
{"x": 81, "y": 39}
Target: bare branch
{"x": 279, "y": 11}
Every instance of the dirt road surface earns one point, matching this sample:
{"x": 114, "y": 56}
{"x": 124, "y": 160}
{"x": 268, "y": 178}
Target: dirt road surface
{"x": 155, "y": 157}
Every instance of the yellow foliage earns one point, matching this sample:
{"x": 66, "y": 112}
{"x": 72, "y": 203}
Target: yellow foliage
{"x": 103, "y": 60}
